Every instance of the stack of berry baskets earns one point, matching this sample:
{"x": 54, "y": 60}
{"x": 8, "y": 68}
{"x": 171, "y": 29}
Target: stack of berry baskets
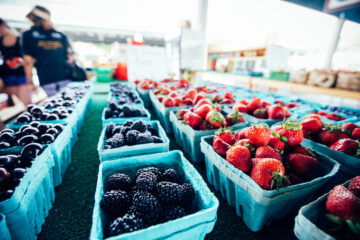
{"x": 340, "y": 142}
{"x": 27, "y": 190}
{"x": 157, "y": 196}
{"x": 189, "y": 125}
{"x": 335, "y": 215}
{"x": 265, "y": 175}
{"x": 132, "y": 138}
{"x": 257, "y": 110}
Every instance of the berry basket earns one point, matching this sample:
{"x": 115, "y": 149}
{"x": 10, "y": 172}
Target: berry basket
{"x": 193, "y": 226}
{"x": 189, "y": 139}
{"x": 256, "y": 206}
{"x": 26, "y": 210}
{"x": 4, "y": 231}
{"x": 121, "y": 120}
{"x": 140, "y": 149}
{"x": 349, "y": 118}
{"x": 310, "y": 217}
{"x": 141, "y": 104}
{"x": 144, "y": 94}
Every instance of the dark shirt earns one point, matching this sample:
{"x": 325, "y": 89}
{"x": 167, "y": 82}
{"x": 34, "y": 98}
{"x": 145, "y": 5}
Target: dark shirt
{"x": 8, "y": 53}
{"x": 49, "y": 48}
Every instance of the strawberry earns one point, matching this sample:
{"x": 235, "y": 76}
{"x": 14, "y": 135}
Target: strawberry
{"x": 314, "y": 116}
{"x": 349, "y": 127}
{"x": 292, "y": 105}
{"x": 217, "y": 108}
{"x": 290, "y": 132}
{"x": 137, "y": 81}
{"x": 160, "y": 98}
{"x": 322, "y": 113}
{"x": 215, "y": 119}
{"x": 259, "y": 135}
{"x": 188, "y": 101}
{"x": 265, "y": 104}
{"x": 180, "y": 113}
{"x": 240, "y": 107}
{"x": 301, "y": 164}
{"x": 191, "y": 93}
{"x": 226, "y": 101}
{"x": 192, "y": 119}
{"x": 217, "y": 98}
{"x": 184, "y": 83}
{"x": 260, "y": 113}
{"x": 276, "y": 112}
{"x": 342, "y": 203}
{"x": 204, "y": 126}
{"x": 334, "y": 117}
{"x": 243, "y": 133}
{"x": 198, "y": 97}
{"x": 226, "y": 136}
{"x": 203, "y": 110}
{"x": 220, "y": 146}
{"x": 240, "y": 157}
{"x": 345, "y": 145}
{"x": 267, "y": 152}
{"x": 356, "y": 134}
{"x": 243, "y": 101}
{"x": 301, "y": 150}
{"x": 234, "y": 118}
{"x": 294, "y": 179}
{"x": 311, "y": 125}
{"x": 229, "y": 95}
{"x": 329, "y": 134}
{"x": 169, "y": 102}
{"x": 254, "y": 104}
{"x": 268, "y": 173}
{"x": 202, "y": 102}
{"x": 354, "y": 186}
{"x": 276, "y": 143}
{"x": 178, "y": 101}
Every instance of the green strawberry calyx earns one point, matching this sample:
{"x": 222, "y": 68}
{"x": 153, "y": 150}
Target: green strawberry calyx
{"x": 261, "y": 125}
{"x": 332, "y": 128}
{"x": 292, "y": 126}
{"x": 354, "y": 226}
{"x": 278, "y": 180}
{"x": 178, "y": 115}
{"x": 222, "y": 130}
{"x": 217, "y": 117}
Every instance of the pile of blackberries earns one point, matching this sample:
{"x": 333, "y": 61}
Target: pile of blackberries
{"x": 124, "y": 94}
{"x": 130, "y": 133}
{"x": 117, "y": 110}
{"x": 150, "y": 197}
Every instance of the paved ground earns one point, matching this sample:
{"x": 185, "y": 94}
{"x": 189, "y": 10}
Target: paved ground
{"x": 70, "y": 217}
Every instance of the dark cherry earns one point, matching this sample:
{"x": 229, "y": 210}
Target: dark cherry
{"x": 37, "y": 111}
{"x": 31, "y": 151}
{"x": 4, "y": 175}
{"x": 53, "y": 131}
{"x": 52, "y": 116}
{"x": 8, "y": 130}
{"x": 7, "y": 137}
{"x": 4, "y": 145}
{"x": 27, "y": 139}
{"x": 30, "y": 131}
{"x": 18, "y": 173}
{"x": 35, "y": 124}
{"x": 58, "y": 126}
{"x": 47, "y": 138}
{"x": 43, "y": 127}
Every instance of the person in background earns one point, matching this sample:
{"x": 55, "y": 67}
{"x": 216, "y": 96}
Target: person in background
{"x": 12, "y": 70}
{"x": 48, "y": 50}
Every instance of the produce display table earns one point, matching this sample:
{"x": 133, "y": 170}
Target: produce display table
{"x": 71, "y": 215}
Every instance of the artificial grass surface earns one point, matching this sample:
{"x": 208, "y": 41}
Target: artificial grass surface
{"x": 71, "y": 215}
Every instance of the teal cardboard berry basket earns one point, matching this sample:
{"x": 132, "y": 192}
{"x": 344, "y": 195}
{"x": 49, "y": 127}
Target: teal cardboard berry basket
{"x": 144, "y": 94}
{"x": 4, "y": 231}
{"x": 189, "y": 139}
{"x": 256, "y": 206}
{"x": 311, "y": 218}
{"x": 140, "y": 149}
{"x": 193, "y": 226}
{"x": 121, "y": 120}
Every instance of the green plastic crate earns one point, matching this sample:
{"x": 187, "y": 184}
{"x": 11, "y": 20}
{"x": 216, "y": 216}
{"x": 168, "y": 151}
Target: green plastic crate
{"x": 104, "y": 74}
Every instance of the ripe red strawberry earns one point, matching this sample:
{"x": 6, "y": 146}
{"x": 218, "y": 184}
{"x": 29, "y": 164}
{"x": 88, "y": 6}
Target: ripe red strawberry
{"x": 203, "y": 110}
{"x": 334, "y": 117}
{"x": 178, "y": 101}
{"x": 226, "y": 101}
{"x": 322, "y": 113}
{"x": 311, "y": 125}
{"x": 169, "y": 102}
{"x": 265, "y": 104}
{"x": 276, "y": 143}
{"x": 354, "y": 186}
{"x": 349, "y": 127}
{"x": 276, "y": 112}
{"x": 198, "y": 97}
{"x": 173, "y": 94}
{"x": 314, "y": 116}
{"x": 215, "y": 119}
{"x": 356, "y": 134}
{"x": 192, "y": 119}
{"x": 137, "y": 81}
{"x": 246, "y": 143}
{"x": 292, "y": 105}
{"x": 234, "y": 118}
{"x": 243, "y": 101}
{"x": 202, "y": 102}
{"x": 243, "y": 133}
{"x": 220, "y": 146}
{"x": 191, "y": 93}
{"x": 204, "y": 126}
{"x": 180, "y": 113}
{"x": 259, "y": 135}
{"x": 342, "y": 203}
{"x": 254, "y": 104}
{"x": 294, "y": 179}
{"x": 217, "y": 98}
{"x": 226, "y": 136}
{"x": 267, "y": 152}
{"x": 301, "y": 164}
{"x": 346, "y": 145}
{"x": 330, "y": 134}
{"x": 239, "y": 157}
{"x": 290, "y": 132}
{"x": 269, "y": 173}
{"x": 260, "y": 113}
{"x": 229, "y": 95}
{"x": 160, "y": 98}
{"x": 300, "y": 150}
{"x": 188, "y": 102}
{"x": 240, "y": 107}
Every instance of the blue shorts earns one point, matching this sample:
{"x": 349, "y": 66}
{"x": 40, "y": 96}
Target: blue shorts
{"x": 14, "y": 81}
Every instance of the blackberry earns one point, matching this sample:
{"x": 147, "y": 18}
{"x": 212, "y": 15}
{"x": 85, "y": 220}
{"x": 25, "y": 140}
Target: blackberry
{"x": 128, "y": 110}
{"x": 146, "y": 181}
{"x": 139, "y": 125}
{"x": 157, "y": 139}
{"x": 115, "y": 141}
{"x": 125, "y": 224}
{"x": 153, "y": 170}
{"x": 144, "y": 138}
{"x": 115, "y": 202}
{"x": 148, "y": 205}
{"x": 117, "y": 129}
{"x": 118, "y": 181}
{"x": 132, "y": 210}
{"x": 151, "y": 129}
{"x": 109, "y": 129}
{"x": 169, "y": 193}
{"x": 128, "y": 123}
{"x": 172, "y": 212}
{"x": 139, "y": 113}
{"x": 124, "y": 130}
{"x": 189, "y": 194}
{"x": 131, "y": 137}
{"x": 170, "y": 175}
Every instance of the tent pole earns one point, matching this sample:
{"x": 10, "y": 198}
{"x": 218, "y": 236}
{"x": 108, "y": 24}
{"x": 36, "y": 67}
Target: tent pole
{"x": 334, "y": 41}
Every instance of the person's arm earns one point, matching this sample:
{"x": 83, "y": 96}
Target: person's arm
{"x": 28, "y": 66}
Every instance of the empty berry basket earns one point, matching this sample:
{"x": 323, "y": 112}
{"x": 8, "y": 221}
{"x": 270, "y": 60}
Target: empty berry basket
{"x": 193, "y": 226}
{"x": 256, "y": 206}
{"x": 189, "y": 139}
{"x": 140, "y": 149}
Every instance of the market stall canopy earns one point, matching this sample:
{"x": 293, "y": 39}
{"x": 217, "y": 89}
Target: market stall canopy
{"x": 351, "y": 8}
